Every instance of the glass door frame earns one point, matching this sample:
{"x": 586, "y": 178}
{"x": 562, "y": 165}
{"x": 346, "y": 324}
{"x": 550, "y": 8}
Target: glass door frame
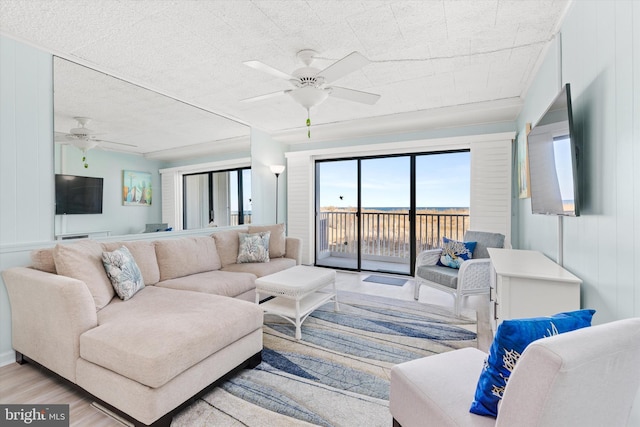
{"x": 358, "y": 217}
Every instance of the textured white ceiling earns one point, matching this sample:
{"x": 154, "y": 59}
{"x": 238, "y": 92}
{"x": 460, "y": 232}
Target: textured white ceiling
{"x": 425, "y": 54}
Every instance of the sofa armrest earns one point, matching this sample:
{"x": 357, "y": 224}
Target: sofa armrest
{"x": 48, "y": 315}
{"x": 293, "y": 249}
{"x": 428, "y": 257}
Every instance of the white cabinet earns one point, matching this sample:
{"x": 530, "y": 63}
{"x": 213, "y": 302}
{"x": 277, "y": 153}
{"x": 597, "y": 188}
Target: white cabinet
{"x": 528, "y": 284}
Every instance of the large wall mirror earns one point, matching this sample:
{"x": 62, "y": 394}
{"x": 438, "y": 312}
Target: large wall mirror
{"x": 123, "y": 134}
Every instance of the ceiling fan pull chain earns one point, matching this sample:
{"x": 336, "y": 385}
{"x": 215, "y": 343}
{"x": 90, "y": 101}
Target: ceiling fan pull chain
{"x": 308, "y": 124}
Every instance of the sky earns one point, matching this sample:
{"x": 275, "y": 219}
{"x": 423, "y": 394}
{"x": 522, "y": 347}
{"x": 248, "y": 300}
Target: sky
{"x": 442, "y": 180}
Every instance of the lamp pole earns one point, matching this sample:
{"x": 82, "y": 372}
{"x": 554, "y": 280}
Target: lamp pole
{"x": 277, "y": 170}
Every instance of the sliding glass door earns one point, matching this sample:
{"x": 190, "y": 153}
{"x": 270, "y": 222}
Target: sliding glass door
{"x": 217, "y": 198}
{"x": 443, "y": 188}
{"x": 376, "y": 213}
{"x": 384, "y": 214}
{"x": 337, "y": 214}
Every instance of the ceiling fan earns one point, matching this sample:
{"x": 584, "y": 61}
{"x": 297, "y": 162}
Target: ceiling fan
{"x": 311, "y": 86}
{"x": 85, "y": 139}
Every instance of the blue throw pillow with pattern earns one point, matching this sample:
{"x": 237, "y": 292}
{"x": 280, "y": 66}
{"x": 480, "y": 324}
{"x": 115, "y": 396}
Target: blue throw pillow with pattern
{"x": 455, "y": 252}
{"x": 512, "y": 337}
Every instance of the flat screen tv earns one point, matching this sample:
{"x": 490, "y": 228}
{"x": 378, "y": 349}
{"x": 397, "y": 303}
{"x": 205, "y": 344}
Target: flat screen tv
{"x": 78, "y": 195}
{"x": 552, "y": 152}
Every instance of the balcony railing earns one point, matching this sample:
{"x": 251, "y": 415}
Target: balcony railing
{"x": 233, "y": 219}
{"x": 386, "y": 234}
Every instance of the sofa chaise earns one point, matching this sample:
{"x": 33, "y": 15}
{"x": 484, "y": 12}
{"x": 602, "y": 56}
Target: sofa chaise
{"x": 194, "y": 321}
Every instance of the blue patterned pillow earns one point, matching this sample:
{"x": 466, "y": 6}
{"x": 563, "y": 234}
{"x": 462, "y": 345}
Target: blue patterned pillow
{"x": 512, "y": 337}
{"x": 123, "y": 272}
{"x": 454, "y": 252}
{"x": 254, "y": 247}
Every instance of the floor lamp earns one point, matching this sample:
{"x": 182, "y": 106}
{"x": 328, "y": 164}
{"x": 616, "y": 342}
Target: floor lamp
{"x": 277, "y": 170}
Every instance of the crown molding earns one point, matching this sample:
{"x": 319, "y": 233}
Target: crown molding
{"x": 501, "y": 110}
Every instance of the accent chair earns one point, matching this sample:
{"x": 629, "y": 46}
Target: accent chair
{"x": 473, "y": 276}
{"x": 586, "y": 377}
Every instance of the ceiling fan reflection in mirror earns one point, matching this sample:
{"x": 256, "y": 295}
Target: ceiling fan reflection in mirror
{"x": 84, "y": 139}
{"x": 312, "y": 86}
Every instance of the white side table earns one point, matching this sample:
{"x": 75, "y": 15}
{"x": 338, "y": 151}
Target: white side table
{"x": 528, "y": 284}
{"x": 298, "y": 291}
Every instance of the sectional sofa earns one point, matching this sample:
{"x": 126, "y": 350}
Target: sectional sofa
{"x": 145, "y": 357}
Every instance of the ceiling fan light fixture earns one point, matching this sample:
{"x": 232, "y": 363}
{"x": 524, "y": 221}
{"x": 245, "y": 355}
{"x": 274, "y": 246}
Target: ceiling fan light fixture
{"x": 84, "y": 144}
{"x": 309, "y": 96}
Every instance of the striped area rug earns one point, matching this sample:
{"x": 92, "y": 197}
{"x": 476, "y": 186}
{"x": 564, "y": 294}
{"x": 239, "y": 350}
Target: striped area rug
{"x": 338, "y": 374}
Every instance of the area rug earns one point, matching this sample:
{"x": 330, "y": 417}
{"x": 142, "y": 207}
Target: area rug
{"x": 338, "y": 373}
{"x": 385, "y": 280}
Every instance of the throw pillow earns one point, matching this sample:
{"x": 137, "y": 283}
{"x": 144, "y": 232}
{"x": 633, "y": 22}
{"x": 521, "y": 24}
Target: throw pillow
{"x": 277, "y": 239}
{"x": 253, "y": 247}
{"x": 512, "y": 337}
{"x": 123, "y": 272}
{"x": 454, "y": 252}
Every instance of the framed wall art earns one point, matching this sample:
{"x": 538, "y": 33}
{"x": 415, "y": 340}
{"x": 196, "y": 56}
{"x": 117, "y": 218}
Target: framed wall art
{"x": 524, "y": 192}
{"x": 136, "y": 188}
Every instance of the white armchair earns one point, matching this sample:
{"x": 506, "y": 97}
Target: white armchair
{"x": 471, "y": 279}
{"x": 587, "y": 377}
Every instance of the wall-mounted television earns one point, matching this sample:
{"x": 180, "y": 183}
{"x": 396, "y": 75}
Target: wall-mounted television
{"x": 552, "y": 152}
{"x": 78, "y": 195}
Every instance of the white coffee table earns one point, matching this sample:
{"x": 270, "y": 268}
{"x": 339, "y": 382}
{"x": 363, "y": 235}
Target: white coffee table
{"x": 298, "y": 291}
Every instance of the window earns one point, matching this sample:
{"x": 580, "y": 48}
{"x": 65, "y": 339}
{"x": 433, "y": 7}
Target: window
{"x": 218, "y": 198}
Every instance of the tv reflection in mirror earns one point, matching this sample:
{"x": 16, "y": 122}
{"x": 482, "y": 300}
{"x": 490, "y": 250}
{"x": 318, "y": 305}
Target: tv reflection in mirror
{"x": 78, "y": 195}
{"x": 553, "y": 160}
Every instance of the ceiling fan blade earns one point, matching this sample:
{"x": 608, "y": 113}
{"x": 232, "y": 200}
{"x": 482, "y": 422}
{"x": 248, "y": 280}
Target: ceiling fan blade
{"x": 261, "y": 66}
{"x": 113, "y": 142}
{"x": 354, "y": 95}
{"x": 265, "y": 96}
{"x": 61, "y": 137}
{"x": 350, "y": 63}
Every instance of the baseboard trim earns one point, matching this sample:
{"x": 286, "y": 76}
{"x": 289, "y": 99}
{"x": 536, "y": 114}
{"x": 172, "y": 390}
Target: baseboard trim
{"x": 7, "y": 358}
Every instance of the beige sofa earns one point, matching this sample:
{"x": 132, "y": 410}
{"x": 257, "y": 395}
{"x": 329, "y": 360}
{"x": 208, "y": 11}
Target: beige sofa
{"x": 146, "y": 357}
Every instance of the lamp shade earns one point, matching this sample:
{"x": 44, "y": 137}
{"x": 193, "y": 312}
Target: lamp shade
{"x": 309, "y": 96}
{"x": 277, "y": 169}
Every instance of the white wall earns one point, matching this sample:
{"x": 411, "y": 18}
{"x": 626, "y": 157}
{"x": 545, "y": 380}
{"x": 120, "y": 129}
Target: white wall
{"x": 599, "y": 56}
{"x": 266, "y": 152}
{"x": 26, "y": 148}
{"x": 26, "y": 159}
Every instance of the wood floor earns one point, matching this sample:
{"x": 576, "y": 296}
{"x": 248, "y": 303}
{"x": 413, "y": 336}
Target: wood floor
{"x": 28, "y": 384}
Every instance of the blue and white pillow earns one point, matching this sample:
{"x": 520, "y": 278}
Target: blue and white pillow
{"x": 123, "y": 272}
{"x": 253, "y": 247}
{"x": 454, "y": 252}
{"x": 512, "y": 337}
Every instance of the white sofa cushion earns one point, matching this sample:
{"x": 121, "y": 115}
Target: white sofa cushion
{"x": 173, "y": 331}
{"x": 186, "y": 255}
{"x": 227, "y": 243}
{"x": 437, "y": 390}
{"x": 225, "y": 283}
{"x": 83, "y": 261}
